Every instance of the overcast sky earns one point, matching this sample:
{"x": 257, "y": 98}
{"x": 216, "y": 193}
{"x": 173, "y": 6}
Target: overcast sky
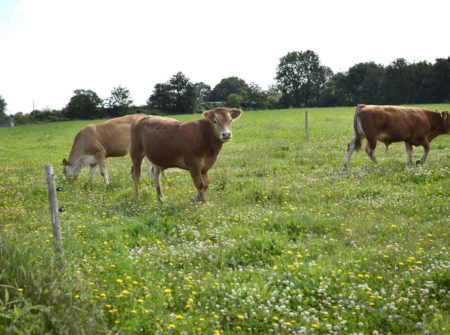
{"x": 49, "y": 48}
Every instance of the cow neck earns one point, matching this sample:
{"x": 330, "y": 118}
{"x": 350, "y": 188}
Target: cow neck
{"x": 214, "y": 144}
{"x": 437, "y": 125}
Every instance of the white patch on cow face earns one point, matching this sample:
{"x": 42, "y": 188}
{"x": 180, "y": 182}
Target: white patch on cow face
{"x": 73, "y": 170}
{"x": 221, "y": 126}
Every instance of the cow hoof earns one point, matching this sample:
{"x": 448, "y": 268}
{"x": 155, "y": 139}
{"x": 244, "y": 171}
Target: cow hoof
{"x": 419, "y": 162}
{"x": 197, "y": 200}
{"x": 161, "y": 199}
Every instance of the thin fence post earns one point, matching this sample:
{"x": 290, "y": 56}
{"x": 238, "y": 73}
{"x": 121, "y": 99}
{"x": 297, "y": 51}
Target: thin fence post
{"x": 307, "y": 126}
{"x": 53, "y": 201}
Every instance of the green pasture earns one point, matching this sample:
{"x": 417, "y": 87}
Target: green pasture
{"x": 287, "y": 244}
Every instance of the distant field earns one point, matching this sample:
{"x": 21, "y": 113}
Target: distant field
{"x": 288, "y": 243}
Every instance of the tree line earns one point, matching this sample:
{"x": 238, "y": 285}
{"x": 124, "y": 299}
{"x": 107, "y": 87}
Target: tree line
{"x": 300, "y": 81}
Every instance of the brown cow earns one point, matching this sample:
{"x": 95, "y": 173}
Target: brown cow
{"x": 191, "y": 145}
{"x": 388, "y": 124}
{"x": 94, "y": 143}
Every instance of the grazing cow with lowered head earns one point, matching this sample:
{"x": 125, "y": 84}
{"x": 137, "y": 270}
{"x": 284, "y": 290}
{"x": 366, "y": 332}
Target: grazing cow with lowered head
{"x": 191, "y": 145}
{"x": 388, "y": 124}
{"x": 94, "y": 143}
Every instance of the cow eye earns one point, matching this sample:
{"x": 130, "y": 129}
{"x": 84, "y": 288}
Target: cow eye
{"x": 215, "y": 121}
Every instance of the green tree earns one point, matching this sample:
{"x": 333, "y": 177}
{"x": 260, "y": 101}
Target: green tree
{"x": 421, "y": 83}
{"x": 84, "y": 104}
{"x": 398, "y": 82}
{"x": 256, "y": 97}
{"x": 119, "y": 102}
{"x": 235, "y": 100}
{"x": 204, "y": 91}
{"x": 364, "y": 83}
{"x": 440, "y": 80}
{"x": 273, "y": 96}
{"x": 301, "y": 78}
{"x": 228, "y": 86}
{"x": 177, "y": 96}
{"x": 319, "y": 81}
{"x": 3, "y": 105}
{"x": 161, "y": 98}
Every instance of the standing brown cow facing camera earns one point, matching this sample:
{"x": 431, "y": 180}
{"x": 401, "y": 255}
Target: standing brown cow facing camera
{"x": 190, "y": 145}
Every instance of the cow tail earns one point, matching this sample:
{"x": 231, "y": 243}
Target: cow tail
{"x": 359, "y": 133}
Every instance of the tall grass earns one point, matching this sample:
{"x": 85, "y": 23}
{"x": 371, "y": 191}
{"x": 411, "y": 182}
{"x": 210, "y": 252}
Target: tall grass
{"x": 288, "y": 243}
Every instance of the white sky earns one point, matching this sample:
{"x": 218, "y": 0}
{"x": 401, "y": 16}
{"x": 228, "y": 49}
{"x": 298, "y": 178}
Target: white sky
{"x": 49, "y": 48}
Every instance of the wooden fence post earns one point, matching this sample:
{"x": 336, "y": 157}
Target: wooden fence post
{"x": 54, "y": 209}
{"x": 306, "y": 126}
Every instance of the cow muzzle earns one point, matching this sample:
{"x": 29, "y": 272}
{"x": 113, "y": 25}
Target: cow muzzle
{"x": 226, "y": 136}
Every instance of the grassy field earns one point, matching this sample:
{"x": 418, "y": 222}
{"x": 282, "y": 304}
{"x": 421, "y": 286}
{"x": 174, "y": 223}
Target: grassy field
{"x": 287, "y": 244}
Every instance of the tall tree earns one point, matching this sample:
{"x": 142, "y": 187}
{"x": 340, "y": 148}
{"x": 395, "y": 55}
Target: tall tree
{"x": 301, "y": 78}
{"x": 204, "y": 91}
{"x": 397, "y": 83}
{"x": 440, "y": 80}
{"x": 364, "y": 83}
{"x": 84, "y": 104}
{"x": 273, "y": 96}
{"x": 319, "y": 82}
{"x": 421, "y": 83}
{"x": 161, "y": 98}
{"x": 3, "y": 105}
{"x": 177, "y": 96}
{"x": 119, "y": 102}
{"x": 228, "y": 86}
{"x": 256, "y": 97}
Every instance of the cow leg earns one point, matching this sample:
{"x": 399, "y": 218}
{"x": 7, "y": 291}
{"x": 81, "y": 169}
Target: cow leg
{"x": 101, "y": 159}
{"x": 350, "y": 148}
{"x": 426, "y": 148}
{"x": 370, "y": 149}
{"x": 409, "y": 151}
{"x": 199, "y": 183}
{"x": 150, "y": 168}
{"x": 93, "y": 169}
{"x": 136, "y": 172}
{"x": 205, "y": 179}
{"x": 156, "y": 173}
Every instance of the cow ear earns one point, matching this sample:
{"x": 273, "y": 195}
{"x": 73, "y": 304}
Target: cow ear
{"x": 235, "y": 113}
{"x": 65, "y": 162}
{"x": 208, "y": 115}
{"x": 444, "y": 115}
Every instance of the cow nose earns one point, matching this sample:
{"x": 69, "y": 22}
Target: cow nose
{"x": 226, "y": 135}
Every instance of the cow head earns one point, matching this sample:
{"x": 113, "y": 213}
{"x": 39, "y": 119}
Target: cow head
{"x": 221, "y": 119}
{"x": 70, "y": 171}
{"x": 446, "y": 120}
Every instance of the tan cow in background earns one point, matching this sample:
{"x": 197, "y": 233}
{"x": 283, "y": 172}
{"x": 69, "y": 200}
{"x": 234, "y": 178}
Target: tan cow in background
{"x": 94, "y": 143}
{"x": 191, "y": 145}
{"x": 388, "y": 124}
